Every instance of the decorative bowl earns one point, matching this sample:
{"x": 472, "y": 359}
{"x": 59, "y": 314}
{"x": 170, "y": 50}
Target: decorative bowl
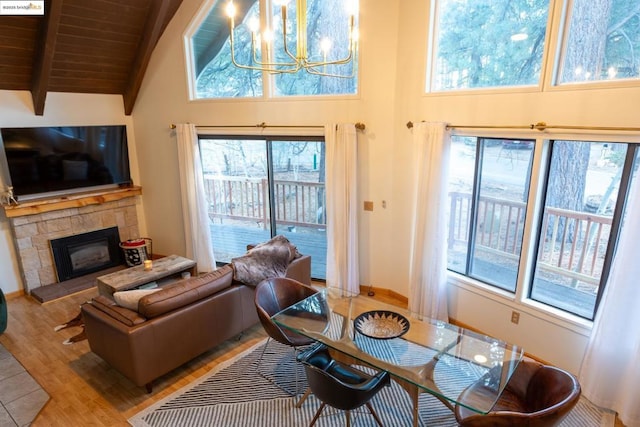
{"x": 381, "y": 324}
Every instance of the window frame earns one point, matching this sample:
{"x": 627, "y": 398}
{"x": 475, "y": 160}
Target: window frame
{"x": 559, "y": 16}
{"x": 548, "y": 49}
{"x": 268, "y": 79}
{"x": 269, "y": 136}
{"x": 520, "y": 299}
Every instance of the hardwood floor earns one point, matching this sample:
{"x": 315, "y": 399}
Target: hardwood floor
{"x": 85, "y": 390}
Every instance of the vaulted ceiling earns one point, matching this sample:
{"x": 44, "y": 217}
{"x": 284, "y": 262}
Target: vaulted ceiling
{"x": 82, "y": 46}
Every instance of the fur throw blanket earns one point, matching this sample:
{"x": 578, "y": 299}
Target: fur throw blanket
{"x": 264, "y": 261}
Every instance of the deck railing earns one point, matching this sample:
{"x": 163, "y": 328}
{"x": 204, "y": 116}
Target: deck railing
{"x": 573, "y": 246}
{"x": 297, "y": 203}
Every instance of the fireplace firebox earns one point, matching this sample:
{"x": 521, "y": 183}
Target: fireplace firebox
{"x": 81, "y": 254}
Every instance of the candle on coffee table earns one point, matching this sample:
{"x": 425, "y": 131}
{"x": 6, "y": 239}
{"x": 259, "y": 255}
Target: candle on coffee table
{"x": 148, "y": 265}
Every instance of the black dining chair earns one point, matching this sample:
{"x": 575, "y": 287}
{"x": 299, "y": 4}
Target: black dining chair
{"x": 271, "y": 297}
{"x": 339, "y": 385}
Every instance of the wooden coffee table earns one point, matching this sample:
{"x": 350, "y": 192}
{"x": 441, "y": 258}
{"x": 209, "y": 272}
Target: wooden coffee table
{"x": 167, "y": 269}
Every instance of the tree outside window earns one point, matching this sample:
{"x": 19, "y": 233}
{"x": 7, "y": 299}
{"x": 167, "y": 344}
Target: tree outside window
{"x": 488, "y": 43}
{"x": 215, "y": 76}
{"x": 602, "y": 41}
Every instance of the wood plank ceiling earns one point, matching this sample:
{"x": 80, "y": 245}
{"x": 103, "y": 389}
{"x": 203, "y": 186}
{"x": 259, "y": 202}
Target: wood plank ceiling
{"x": 82, "y": 46}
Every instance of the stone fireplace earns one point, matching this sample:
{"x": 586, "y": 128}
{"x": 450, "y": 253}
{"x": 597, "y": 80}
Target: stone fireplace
{"x": 35, "y": 225}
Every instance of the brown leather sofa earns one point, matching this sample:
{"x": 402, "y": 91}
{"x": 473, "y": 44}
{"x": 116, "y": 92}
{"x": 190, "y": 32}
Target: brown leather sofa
{"x": 176, "y": 323}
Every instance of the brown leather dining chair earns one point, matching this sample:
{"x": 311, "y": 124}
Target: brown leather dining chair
{"x": 537, "y": 395}
{"x": 271, "y": 297}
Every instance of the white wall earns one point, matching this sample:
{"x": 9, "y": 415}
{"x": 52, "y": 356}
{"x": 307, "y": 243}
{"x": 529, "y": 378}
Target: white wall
{"x": 61, "y": 109}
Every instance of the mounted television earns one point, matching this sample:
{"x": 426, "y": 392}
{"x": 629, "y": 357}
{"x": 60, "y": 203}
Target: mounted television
{"x": 52, "y": 161}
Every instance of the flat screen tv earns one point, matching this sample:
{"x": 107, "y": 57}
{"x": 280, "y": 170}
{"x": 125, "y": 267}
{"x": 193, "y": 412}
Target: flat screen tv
{"x": 53, "y": 161}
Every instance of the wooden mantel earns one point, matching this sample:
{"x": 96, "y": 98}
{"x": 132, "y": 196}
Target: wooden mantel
{"x": 76, "y": 200}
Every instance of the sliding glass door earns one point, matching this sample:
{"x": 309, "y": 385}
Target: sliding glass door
{"x": 258, "y": 188}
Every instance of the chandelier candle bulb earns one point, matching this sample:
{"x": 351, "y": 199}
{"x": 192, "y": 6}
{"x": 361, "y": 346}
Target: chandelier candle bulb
{"x": 264, "y": 57}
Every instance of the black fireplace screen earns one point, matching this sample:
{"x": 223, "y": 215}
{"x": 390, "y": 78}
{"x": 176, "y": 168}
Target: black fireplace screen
{"x": 81, "y": 254}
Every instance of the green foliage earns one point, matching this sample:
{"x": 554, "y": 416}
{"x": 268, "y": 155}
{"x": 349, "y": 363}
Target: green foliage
{"x": 475, "y": 47}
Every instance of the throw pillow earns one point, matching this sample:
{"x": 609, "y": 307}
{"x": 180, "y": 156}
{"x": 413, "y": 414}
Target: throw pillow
{"x": 129, "y": 299}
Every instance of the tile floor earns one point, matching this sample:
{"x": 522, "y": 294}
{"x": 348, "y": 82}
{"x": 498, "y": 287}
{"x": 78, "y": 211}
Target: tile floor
{"x": 21, "y": 397}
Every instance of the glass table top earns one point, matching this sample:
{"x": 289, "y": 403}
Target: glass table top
{"x": 434, "y": 356}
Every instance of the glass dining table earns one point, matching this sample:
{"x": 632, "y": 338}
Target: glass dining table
{"x": 422, "y": 355}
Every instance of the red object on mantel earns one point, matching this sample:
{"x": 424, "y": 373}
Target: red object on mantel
{"x": 136, "y": 251}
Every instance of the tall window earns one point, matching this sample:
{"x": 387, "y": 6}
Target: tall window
{"x": 489, "y": 187}
{"x": 602, "y": 41}
{"x": 487, "y": 43}
{"x": 574, "y": 223}
{"x": 214, "y": 76}
{"x": 258, "y": 188}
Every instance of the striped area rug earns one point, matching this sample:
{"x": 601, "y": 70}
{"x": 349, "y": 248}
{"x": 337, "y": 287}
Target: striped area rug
{"x": 236, "y": 395}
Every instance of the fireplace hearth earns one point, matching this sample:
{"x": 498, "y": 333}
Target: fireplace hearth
{"x": 85, "y": 253}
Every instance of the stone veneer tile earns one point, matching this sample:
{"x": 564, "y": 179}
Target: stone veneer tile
{"x": 107, "y": 217}
{"x": 30, "y": 259}
{"x": 127, "y": 233}
{"x": 42, "y": 227}
{"x": 47, "y": 275}
{"x": 131, "y": 216}
{"x": 24, "y": 243}
{"x": 126, "y": 202}
{"x": 64, "y": 213}
{"x": 58, "y": 225}
{"x": 41, "y": 241}
{"x": 26, "y": 230}
{"x": 45, "y": 258}
{"x": 31, "y": 279}
{"x": 22, "y": 220}
{"x": 90, "y": 221}
{"x": 120, "y": 219}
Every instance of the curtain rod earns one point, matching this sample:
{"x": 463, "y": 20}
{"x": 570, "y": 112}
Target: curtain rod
{"x": 541, "y": 126}
{"x": 359, "y": 126}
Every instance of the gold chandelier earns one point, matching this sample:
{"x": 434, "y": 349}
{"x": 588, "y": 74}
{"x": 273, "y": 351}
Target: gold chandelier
{"x": 294, "y": 62}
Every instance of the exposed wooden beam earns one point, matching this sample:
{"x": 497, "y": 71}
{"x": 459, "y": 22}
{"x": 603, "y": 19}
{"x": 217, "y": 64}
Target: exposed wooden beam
{"x": 152, "y": 32}
{"x": 43, "y": 54}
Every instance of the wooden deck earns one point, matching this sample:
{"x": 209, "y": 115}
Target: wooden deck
{"x": 231, "y": 241}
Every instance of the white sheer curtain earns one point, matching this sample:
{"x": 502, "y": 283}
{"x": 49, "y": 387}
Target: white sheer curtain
{"x": 610, "y": 372}
{"x": 428, "y": 262}
{"x": 194, "y": 205}
{"x": 341, "y": 143}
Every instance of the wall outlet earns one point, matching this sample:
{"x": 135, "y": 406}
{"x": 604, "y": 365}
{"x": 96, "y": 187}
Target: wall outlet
{"x": 368, "y": 206}
{"x": 515, "y": 317}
